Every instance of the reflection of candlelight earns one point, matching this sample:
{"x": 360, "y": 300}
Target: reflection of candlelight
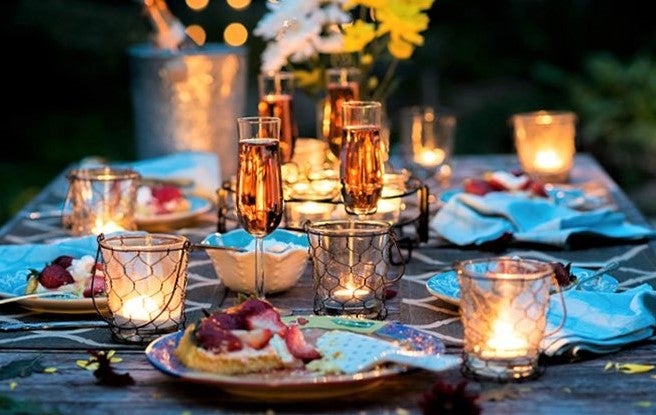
{"x": 106, "y": 227}
{"x": 504, "y": 341}
{"x": 430, "y": 157}
{"x": 548, "y": 161}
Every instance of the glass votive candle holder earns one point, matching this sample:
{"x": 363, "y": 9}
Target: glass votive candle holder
{"x": 352, "y": 267}
{"x": 545, "y": 143}
{"x": 146, "y": 279}
{"x": 102, "y": 200}
{"x": 503, "y": 309}
{"x": 427, "y": 136}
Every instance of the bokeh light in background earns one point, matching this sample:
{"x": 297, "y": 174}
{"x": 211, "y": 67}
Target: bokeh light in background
{"x": 197, "y": 4}
{"x": 197, "y": 34}
{"x": 238, "y": 4}
{"x": 235, "y": 34}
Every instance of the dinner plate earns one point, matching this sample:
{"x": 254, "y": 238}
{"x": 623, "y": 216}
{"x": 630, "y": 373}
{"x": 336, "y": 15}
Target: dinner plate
{"x": 199, "y": 205}
{"x": 446, "y": 287}
{"x": 17, "y": 260}
{"x": 300, "y": 385}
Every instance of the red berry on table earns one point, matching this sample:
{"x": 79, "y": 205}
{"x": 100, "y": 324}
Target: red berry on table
{"x": 166, "y": 193}
{"x": 476, "y": 186}
{"x": 54, "y": 276}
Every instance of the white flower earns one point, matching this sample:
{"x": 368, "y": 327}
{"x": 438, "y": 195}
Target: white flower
{"x": 299, "y": 30}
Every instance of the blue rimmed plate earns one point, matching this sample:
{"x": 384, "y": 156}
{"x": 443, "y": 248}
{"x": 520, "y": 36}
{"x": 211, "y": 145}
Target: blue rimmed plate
{"x": 300, "y": 385}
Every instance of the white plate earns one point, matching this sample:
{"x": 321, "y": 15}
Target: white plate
{"x": 446, "y": 287}
{"x": 17, "y": 260}
{"x": 299, "y": 385}
{"x": 198, "y": 206}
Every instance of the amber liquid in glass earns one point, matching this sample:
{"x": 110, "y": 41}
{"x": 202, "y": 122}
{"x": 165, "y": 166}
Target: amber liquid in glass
{"x": 361, "y": 169}
{"x": 281, "y": 106}
{"x": 259, "y": 186}
{"x": 337, "y": 95}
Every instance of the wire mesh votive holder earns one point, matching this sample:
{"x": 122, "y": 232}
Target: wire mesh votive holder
{"x": 504, "y": 304}
{"x": 146, "y": 280}
{"x": 354, "y": 262}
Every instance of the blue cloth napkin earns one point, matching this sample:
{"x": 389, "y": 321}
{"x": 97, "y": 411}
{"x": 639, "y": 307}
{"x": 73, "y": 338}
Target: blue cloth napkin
{"x": 600, "y": 322}
{"x": 467, "y": 219}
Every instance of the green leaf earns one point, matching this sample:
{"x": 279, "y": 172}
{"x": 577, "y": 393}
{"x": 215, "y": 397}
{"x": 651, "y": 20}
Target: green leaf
{"x": 21, "y": 368}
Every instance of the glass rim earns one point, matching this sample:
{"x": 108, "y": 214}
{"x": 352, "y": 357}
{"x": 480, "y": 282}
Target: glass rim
{"x": 164, "y": 242}
{"x": 559, "y": 114}
{"x": 103, "y": 173}
{"x": 276, "y": 74}
{"x": 254, "y": 119}
{"x": 334, "y": 228}
{"x": 362, "y": 104}
{"x": 541, "y": 269}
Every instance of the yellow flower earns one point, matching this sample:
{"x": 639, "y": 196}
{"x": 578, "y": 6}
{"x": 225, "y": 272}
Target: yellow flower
{"x": 358, "y": 35}
{"x": 372, "y": 4}
{"x": 403, "y": 21}
{"x": 400, "y": 49}
{"x": 308, "y": 79}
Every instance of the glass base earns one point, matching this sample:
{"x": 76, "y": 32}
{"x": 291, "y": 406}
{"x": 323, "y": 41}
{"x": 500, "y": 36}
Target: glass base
{"x": 140, "y": 335}
{"x": 501, "y": 370}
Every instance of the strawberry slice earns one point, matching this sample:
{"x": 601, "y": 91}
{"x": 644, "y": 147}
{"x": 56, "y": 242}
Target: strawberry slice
{"x": 216, "y": 339}
{"x": 54, "y": 276}
{"x": 166, "y": 193}
{"x": 257, "y": 339}
{"x": 228, "y": 321}
{"x": 267, "y": 319}
{"x": 98, "y": 282}
{"x": 298, "y": 346}
{"x": 476, "y": 186}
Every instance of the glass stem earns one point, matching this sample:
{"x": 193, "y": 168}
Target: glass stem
{"x": 259, "y": 267}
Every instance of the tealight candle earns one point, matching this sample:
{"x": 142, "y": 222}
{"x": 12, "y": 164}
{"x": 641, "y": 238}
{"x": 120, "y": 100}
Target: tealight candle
{"x": 504, "y": 340}
{"x": 102, "y": 200}
{"x": 351, "y": 266}
{"x": 430, "y": 157}
{"x": 146, "y": 277}
{"x": 545, "y": 143}
{"x": 503, "y": 307}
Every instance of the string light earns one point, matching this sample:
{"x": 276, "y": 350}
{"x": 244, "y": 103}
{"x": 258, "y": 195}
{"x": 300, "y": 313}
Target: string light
{"x": 235, "y": 34}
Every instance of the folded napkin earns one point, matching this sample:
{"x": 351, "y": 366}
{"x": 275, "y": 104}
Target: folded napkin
{"x": 467, "y": 219}
{"x": 600, "y": 322}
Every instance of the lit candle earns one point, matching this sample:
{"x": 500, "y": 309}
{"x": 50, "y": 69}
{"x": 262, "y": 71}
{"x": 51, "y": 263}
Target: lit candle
{"x": 141, "y": 310}
{"x": 430, "y": 157}
{"x": 352, "y": 293}
{"x": 504, "y": 340}
{"x": 548, "y": 161}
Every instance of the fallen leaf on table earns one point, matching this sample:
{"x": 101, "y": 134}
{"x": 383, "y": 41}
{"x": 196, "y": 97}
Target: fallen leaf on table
{"x": 629, "y": 368}
{"x": 21, "y": 368}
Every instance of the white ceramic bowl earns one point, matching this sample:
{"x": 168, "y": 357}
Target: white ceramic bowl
{"x": 285, "y": 259}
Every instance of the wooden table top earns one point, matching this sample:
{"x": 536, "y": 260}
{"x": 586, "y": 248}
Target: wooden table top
{"x": 578, "y": 386}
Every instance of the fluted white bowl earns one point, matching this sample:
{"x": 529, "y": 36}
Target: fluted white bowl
{"x": 285, "y": 259}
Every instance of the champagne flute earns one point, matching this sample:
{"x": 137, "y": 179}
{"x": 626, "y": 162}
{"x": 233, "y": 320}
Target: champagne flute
{"x": 361, "y": 167}
{"x": 341, "y": 86}
{"x": 276, "y": 100}
{"x": 259, "y": 185}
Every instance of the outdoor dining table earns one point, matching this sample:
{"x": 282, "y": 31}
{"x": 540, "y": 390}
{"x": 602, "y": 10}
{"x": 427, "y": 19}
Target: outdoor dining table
{"x": 584, "y": 385}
